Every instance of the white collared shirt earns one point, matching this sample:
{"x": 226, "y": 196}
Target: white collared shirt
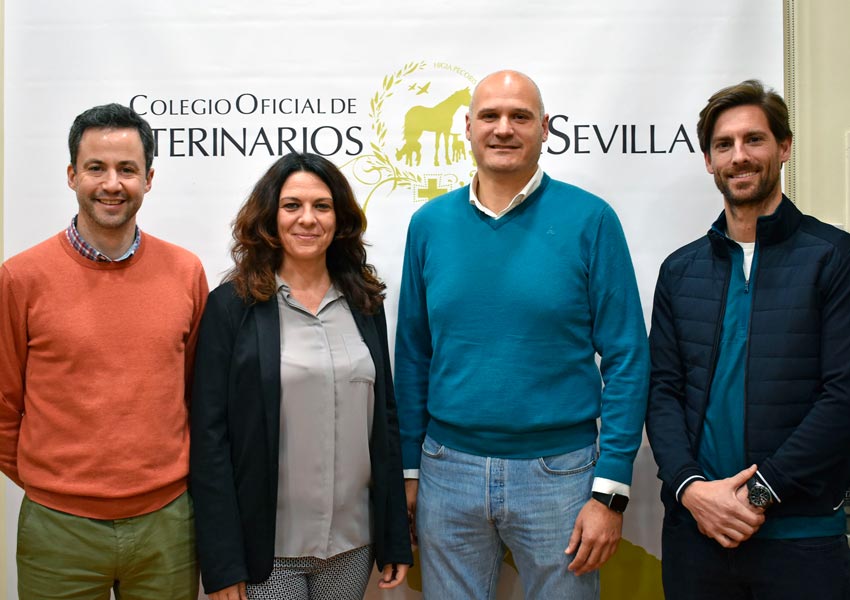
{"x": 524, "y": 193}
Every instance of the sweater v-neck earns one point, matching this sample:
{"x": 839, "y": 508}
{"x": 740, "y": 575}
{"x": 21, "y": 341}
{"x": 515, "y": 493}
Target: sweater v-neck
{"x": 513, "y": 213}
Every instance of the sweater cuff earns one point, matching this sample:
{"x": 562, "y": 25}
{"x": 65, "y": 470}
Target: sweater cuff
{"x": 614, "y": 467}
{"x": 411, "y": 455}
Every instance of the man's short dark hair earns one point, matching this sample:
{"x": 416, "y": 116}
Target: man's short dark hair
{"x": 747, "y": 93}
{"x": 111, "y": 116}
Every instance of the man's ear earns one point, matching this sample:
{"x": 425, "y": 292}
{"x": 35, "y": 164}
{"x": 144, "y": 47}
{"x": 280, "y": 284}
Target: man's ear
{"x": 72, "y": 177}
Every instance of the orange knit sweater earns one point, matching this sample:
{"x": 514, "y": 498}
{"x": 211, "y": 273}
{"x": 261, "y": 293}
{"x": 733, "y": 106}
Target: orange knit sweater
{"x": 95, "y": 360}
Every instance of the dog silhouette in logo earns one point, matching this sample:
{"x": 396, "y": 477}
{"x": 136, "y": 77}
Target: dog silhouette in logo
{"x": 408, "y": 151}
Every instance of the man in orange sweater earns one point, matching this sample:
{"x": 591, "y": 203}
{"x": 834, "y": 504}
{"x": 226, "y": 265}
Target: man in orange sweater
{"x": 97, "y": 332}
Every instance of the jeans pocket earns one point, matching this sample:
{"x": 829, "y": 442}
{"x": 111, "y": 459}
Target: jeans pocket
{"x": 432, "y": 449}
{"x": 569, "y": 463}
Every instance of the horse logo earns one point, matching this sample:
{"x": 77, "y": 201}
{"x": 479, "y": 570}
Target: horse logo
{"x": 422, "y": 105}
{"x": 458, "y": 148}
{"x": 437, "y": 119}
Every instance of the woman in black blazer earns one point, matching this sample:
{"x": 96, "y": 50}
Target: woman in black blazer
{"x": 300, "y": 267}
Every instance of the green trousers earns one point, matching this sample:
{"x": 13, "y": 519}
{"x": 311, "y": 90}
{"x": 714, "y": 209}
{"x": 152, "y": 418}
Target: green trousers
{"x": 147, "y": 557}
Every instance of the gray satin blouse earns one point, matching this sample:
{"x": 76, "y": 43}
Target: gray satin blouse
{"x": 327, "y": 381}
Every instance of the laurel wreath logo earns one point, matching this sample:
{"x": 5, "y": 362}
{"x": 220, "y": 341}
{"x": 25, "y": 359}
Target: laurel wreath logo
{"x": 376, "y": 169}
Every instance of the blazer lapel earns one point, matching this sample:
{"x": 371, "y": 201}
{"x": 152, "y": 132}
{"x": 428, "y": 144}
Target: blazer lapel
{"x": 268, "y": 346}
{"x": 366, "y": 326}
{"x": 367, "y": 329}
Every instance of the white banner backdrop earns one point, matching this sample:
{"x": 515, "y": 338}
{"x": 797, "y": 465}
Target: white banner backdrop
{"x": 228, "y": 87}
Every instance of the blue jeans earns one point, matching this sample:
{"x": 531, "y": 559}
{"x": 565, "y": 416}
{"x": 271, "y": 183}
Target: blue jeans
{"x": 470, "y": 509}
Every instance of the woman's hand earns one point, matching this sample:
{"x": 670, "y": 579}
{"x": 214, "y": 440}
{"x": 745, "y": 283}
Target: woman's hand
{"x": 392, "y": 576}
{"x": 233, "y": 592}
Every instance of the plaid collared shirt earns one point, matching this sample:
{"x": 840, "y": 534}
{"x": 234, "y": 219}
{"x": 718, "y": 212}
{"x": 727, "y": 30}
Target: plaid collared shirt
{"x": 92, "y": 253}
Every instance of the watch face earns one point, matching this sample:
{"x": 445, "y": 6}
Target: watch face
{"x": 619, "y": 503}
{"x": 759, "y": 496}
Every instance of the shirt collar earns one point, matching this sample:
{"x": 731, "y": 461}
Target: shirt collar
{"x": 92, "y": 253}
{"x": 524, "y": 193}
{"x": 286, "y": 292}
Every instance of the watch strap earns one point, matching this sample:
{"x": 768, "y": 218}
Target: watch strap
{"x": 616, "y": 502}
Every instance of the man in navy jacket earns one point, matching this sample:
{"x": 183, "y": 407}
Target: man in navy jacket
{"x": 749, "y": 406}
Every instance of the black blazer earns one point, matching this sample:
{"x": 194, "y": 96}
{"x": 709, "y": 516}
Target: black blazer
{"x": 236, "y": 434}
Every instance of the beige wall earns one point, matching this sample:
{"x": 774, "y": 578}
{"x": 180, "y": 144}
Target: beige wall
{"x": 3, "y": 536}
{"x": 818, "y": 81}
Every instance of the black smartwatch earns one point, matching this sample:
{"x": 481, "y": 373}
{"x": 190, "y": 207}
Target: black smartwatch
{"x": 758, "y": 494}
{"x": 616, "y": 502}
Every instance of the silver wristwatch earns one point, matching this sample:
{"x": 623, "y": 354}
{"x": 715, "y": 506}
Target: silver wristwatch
{"x": 759, "y": 496}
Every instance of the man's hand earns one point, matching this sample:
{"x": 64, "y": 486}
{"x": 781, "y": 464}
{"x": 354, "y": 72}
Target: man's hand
{"x": 722, "y": 509}
{"x": 595, "y": 537}
{"x": 233, "y": 592}
{"x": 411, "y": 488}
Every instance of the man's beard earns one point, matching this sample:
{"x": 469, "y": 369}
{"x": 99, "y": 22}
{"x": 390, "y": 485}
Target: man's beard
{"x": 763, "y": 191}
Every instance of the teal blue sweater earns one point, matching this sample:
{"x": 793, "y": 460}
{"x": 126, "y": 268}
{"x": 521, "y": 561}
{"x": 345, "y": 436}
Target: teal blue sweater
{"x": 499, "y": 324}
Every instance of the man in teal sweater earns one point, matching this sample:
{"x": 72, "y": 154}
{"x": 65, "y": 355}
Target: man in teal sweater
{"x": 511, "y": 287}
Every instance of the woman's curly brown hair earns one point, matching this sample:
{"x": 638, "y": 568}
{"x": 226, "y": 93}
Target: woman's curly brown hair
{"x": 257, "y": 251}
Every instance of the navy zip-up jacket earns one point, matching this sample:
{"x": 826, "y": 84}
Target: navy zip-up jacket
{"x": 797, "y": 372}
